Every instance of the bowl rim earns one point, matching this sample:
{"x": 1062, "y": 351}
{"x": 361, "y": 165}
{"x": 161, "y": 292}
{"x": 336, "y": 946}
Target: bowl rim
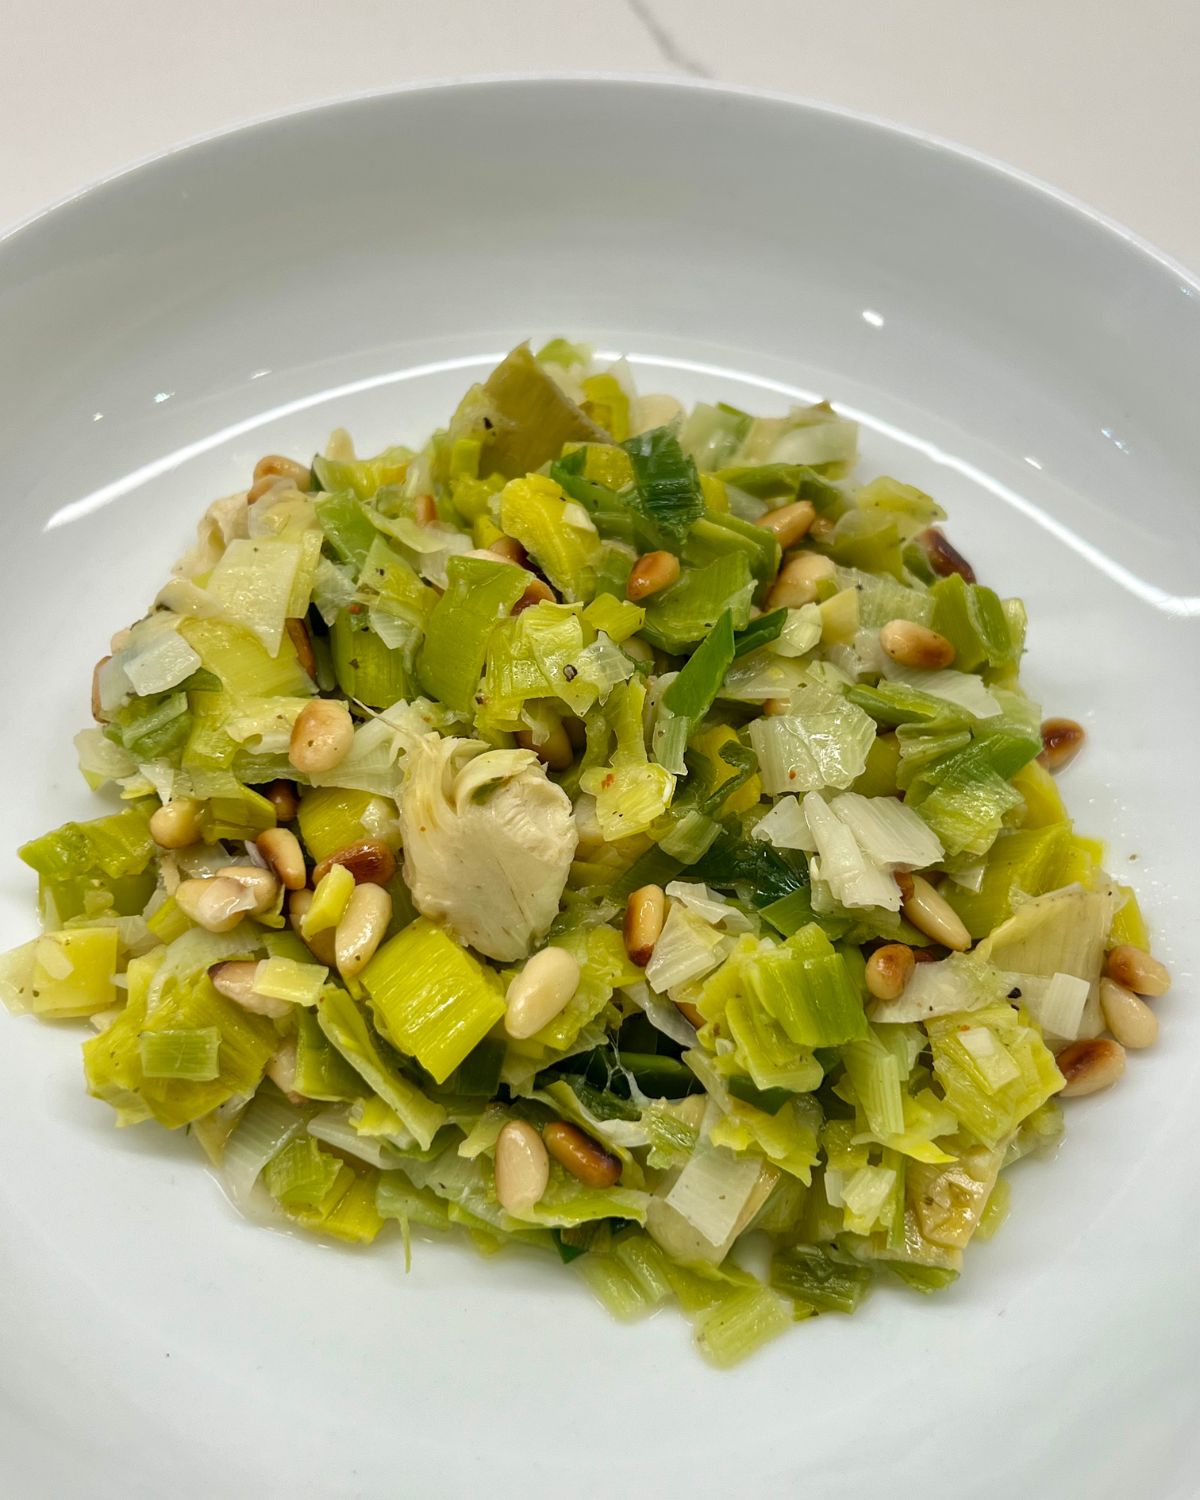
{"x": 505, "y": 81}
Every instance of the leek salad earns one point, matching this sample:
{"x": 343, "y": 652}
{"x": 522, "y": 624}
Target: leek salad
{"x": 673, "y": 696}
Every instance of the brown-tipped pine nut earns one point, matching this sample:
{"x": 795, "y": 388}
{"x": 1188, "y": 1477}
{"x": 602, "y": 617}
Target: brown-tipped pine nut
{"x": 261, "y": 885}
{"x": 1062, "y": 740}
{"x": 369, "y": 861}
{"x": 645, "y": 912}
{"x": 297, "y": 633}
{"x": 653, "y": 572}
{"x": 1090, "y": 1066}
{"x": 321, "y": 944}
{"x": 690, "y": 1013}
{"x": 913, "y": 645}
{"x": 581, "y": 1155}
{"x": 905, "y": 882}
{"x": 1137, "y": 971}
{"x": 889, "y": 969}
{"x": 425, "y": 510}
{"x": 789, "y": 522}
{"x": 176, "y": 824}
{"x": 274, "y": 465}
{"x": 235, "y": 981}
{"x": 773, "y": 708}
{"x": 798, "y": 581}
{"x": 361, "y": 929}
{"x": 321, "y": 736}
{"x": 508, "y": 549}
{"x": 943, "y": 558}
{"x": 543, "y": 988}
{"x": 929, "y": 912}
{"x": 283, "y": 798}
{"x": 281, "y": 849}
{"x": 217, "y": 904}
{"x": 1127, "y": 1016}
{"x": 538, "y": 592}
{"x": 522, "y": 1167}
{"x": 97, "y": 711}
{"x": 555, "y": 751}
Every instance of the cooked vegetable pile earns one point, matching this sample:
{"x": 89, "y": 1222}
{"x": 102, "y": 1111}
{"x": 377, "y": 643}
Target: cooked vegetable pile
{"x": 609, "y": 829}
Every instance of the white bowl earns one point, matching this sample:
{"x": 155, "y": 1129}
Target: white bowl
{"x": 1031, "y": 365}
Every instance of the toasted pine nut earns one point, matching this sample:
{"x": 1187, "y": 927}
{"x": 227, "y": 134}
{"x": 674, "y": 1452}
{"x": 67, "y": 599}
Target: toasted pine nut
{"x": 1137, "y": 971}
{"x": 260, "y": 884}
{"x": 321, "y": 736}
{"x": 774, "y": 707}
{"x": 1062, "y": 740}
{"x": 943, "y": 558}
{"x": 321, "y": 944}
{"x": 217, "y": 905}
{"x": 297, "y": 633}
{"x": 929, "y": 912}
{"x": 282, "y": 797}
{"x": 789, "y": 522}
{"x": 425, "y": 510}
{"x": 276, "y": 465}
{"x": 653, "y": 572}
{"x": 799, "y": 580}
{"x": 281, "y": 849}
{"x": 905, "y": 881}
{"x": 913, "y": 645}
{"x": 690, "y": 1013}
{"x": 645, "y": 912}
{"x": 369, "y": 861}
{"x": 1127, "y": 1016}
{"x": 263, "y": 486}
{"x": 361, "y": 929}
{"x": 522, "y": 1167}
{"x": 581, "y": 1155}
{"x": 542, "y": 989}
{"x": 537, "y": 592}
{"x": 236, "y": 982}
{"x": 97, "y": 711}
{"x": 1090, "y": 1066}
{"x": 176, "y": 824}
{"x": 508, "y": 549}
{"x": 889, "y": 969}
{"x": 555, "y": 751}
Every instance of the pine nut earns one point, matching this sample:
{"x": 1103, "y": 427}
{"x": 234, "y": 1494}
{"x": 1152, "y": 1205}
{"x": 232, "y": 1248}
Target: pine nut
{"x": 538, "y": 592}
{"x": 97, "y": 711}
{"x": 425, "y": 510}
{"x": 913, "y": 645}
{"x": 645, "y": 912}
{"x": 653, "y": 572}
{"x": 508, "y": 549}
{"x": 798, "y": 581}
{"x": 555, "y": 751}
{"x": 576, "y": 731}
{"x": 1127, "y": 1016}
{"x": 297, "y": 633}
{"x": 943, "y": 558}
{"x": 369, "y": 861}
{"x": 522, "y": 1167}
{"x": 361, "y": 929}
{"x": 1090, "y": 1066}
{"x": 639, "y": 649}
{"x": 889, "y": 969}
{"x": 1062, "y": 740}
{"x": 283, "y": 798}
{"x": 929, "y": 912}
{"x": 321, "y": 736}
{"x": 176, "y": 824}
{"x": 822, "y": 530}
{"x": 1137, "y": 971}
{"x": 235, "y": 981}
{"x": 789, "y": 522}
{"x": 281, "y": 1070}
{"x": 261, "y": 885}
{"x": 217, "y": 904}
{"x": 274, "y": 464}
{"x": 542, "y": 989}
{"x": 281, "y": 849}
{"x": 690, "y": 1013}
{"x": 581, "y": 1155}
{"x": 263, "y": 486}
{"x": 773, "y": 708}
{"x": 321, "y": 944}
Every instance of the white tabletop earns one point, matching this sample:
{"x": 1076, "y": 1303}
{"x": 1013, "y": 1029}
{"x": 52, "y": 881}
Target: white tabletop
{"x": 1098, "y": 97}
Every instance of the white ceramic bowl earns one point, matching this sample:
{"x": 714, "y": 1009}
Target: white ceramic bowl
{"x": 1034, "y": 367}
